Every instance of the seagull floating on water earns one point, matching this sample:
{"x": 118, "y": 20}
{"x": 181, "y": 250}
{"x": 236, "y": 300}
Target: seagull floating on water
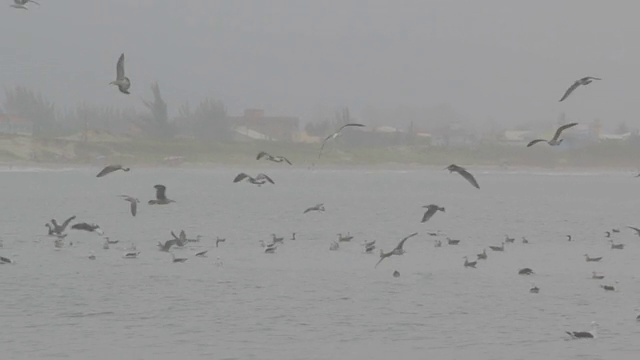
{"x": 345, "y": 238}
{"x": 317, "y": 207}
{"x": 507, "y": 239}
{"x": 5, "y": 260}
{"x": 525, "y": 271}
{"x": 177, "y": 260}
{"x": 468, "y": 263}
{"x": 398, "y": 250}
{"x": 131, "y": 255}
{"x": 202, "y": 253}
{"x": 111, "y": 168}
{"x": 122, "y": 82}
{"x": 161, "y": 197}
{"x": 482, "y": 255}
{"x": 497, "y": 248}
{"x": 219, "y": 240}
{"x": 595, "y": 276}
{"x": 555, "y": 141}
{"x": 270, "y": 157}
{"x": 464, "y": 173}
{"x": 594, "y": 259}
{"x": 431, "y": 210}
{"x": 585, "y": 334}
{"x": 258, "y": 180}
{"x": 616, "y": 246}
{"x": 335, "y": 135}
{"x": 451, "y": 241}
{"x": 584, "y": 81}
{"x": 134, "y": 203}
{"x": 534, "y": 289}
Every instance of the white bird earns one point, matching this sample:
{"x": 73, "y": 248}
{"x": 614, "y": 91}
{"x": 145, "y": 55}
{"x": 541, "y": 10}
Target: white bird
{"x": 555, "y": 141}
{"x": 335, "y": 135}
{"x": 122, "y": 82}
{"x": 134, "y": 203}
{"x": 584, "y": 81}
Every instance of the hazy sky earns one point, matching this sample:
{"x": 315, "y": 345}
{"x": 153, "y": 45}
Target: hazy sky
{"x": 506, "y": 60}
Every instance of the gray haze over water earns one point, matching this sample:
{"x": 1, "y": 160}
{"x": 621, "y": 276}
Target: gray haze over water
{"x": 498, "y": 61}
{"x": 304, "y": 301}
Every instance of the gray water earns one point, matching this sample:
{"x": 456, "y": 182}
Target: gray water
{"x": 304, "y": 301}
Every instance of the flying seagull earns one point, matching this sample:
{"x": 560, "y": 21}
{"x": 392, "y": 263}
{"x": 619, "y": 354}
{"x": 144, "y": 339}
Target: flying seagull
{"x": 5, "y": 260}
{"x": 87, "y": 227}
{"x": 635, "y": 229}
{"x": 161, "y": 198}
{"x": 584, "y": 334}
{"x": 177, "y": 260}
{"x": 219, "y": 240}
{"x": 122, "y": 82}
{"x": 202, "y": 253}
{"x": 556, "y": 138}
{"x": 258, "y": 180}
{"x": 317, "y": 207}
{"x": 59, "y": 228}
{"x": 167, "y": 244}
{"x": 464, "y": 173}
{"x": 111, "y": 168}
{"x": 584, "y": 81}
{"x": 134, "y": 203}
{"x": 398, "y": 250}
{"x": 431, "y": 210}
{"x": 335, "y": 135}
{"x": 270, "y": 157}
{"x": 21, "y": 4}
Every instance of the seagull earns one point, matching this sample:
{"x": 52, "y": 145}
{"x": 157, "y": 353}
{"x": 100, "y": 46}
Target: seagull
{"x": 635, "y": 229}
{"x": 396, "y": 274}
{"x": 271, "y": 248}
{"x": 59, "y": 228}
{"x": 270, "y": 157}
{"x": 346, "y": 238}
{"x": 131, "y": 255}
{"x": 524, "y": 240}
{"x": 4, "y": 260}
{"x": 92, "y": 256}
{"x": 21, "y": 4}
{"x": 464, "y": 173}
{"x": 134, "y": 203}
{"x": 569, "y": 238}
{"x": 608, "y": 287}
{"x": 584, "y": 81}
{"x": 122, "y": 82}
{"x": 219, "y": 240}
{"x": 607, "y": 234}
{"x": 616, "y": 246}
{"x": 584, "y": 334}
{"x": 258, "y": 180}
{"x": 525, "y": 271}
{"x": 590, "y": 259}
{"x": 615, "y": 230}
{"x": 335, "y": 135}
{"x": 555, "y": 141}
{"x": 534, "y": 289}
{"x": 177, "y": 260}
{"x": 293, "y": 236}
{"x": 398, "y": 250}
{"x": 369, "y": 246}
{"x": 180, "y": 240}
{"x": 452, "y": 241}
{"x": 497, "y": 248}
{"x": 468, "y": 263}
{"x": 431, "y": 210}
{"x": 167, "y": 244}
{"x": 437, "y": 243}
{"x": 334, "y": 246}
{"x": 482, "y": 255}
{"x": 161, "y": 198}
{"x": 111, "y": 168}
{"x": 112, "y": 241}
{"x": 507, "y": 239}
{"x": 595, "y": 276}
{"x": 317, "y": 207}
{"x": 202, "y": 253}
{"x": 88, "y": 227}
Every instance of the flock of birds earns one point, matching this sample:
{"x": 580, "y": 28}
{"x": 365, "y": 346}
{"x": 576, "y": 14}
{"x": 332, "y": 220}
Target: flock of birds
{"x": 123, "y": 84}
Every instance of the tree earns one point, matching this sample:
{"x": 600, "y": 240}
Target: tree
{"x": 209, "y": 120}
{"x": 28, "y": 105}
{"x": 157, "y": 122}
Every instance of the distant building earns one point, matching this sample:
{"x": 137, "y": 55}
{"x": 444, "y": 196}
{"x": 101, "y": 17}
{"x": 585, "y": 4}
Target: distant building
{"x": 255, "y": 124}
{"x": 15, "y": 125}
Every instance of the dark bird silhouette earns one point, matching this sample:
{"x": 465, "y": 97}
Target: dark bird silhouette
{"x": 431, "y": 210}
{"x": 468, "y": 263}
{"x": 497, "y": 248}
{"x": 111, "y": 168}
{"x": 398, "y": 250}
{"x": 122, "y": 82}
{"x": 161, "y": 197}
{"x": 335, "y": 135}
{"x": 608, "y": 287}
{"x": 590, "y": 259}
{"x": 607, "y": 234}
{"x": 555, "y": 141}
{"x": 616, "y": 246}
{"x": 180, "y": 240}
{"x": 507, "y": 239}
{"x": 134, "y": 203}
{"x": 59, "y": 228}
{"x": 464, "y": 173}
{"x": 525, "y": 271}
{"x": 270, "y": 157}
{"x": 202, "y": 253}
{"x": 258, "y": 180}
{"x": 177, "y": 260}
{"x": 167, "y": 244}
{"x": 87, "y": 227}
{"x": 615, "y": 230}
{"x": 534, "y": 289}
{"x": 482, "y": 255}
{"x": 584, "y": 334}
{"x": 219, "y": 240}
{"x": 569, "y": 238}
{"x": 317, "y": 207}
{"x": 635, "y": 229}
{"x": 595, "y": 276}
{"x": 584, "y": 81}
{"x": 524, "y": 240}
{"x": 22, "y": 4}
{"x": 451, "y": 241}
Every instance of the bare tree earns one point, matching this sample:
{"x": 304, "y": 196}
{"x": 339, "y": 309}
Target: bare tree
{"x": 31, "y": 106}
{"x": 157, "y": 122}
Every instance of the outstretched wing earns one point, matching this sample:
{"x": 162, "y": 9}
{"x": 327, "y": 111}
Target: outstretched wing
{"x": 240, "y": 177}
{"x": 533, "y": 142}
{"x": 66, "y": 223}
{"x": 635, "y": 229}
{"x": 134, "y": 207}
{"x": 561, "y": 129}
{"x": 120, "y": 68}
{"x": 108, "y": 169}
{"x": 261, "y": 155}
{"x": 286, "y": 160}
{"x": 401, "y": 243}
{"x": 467, "y": 175}
{"x": 570, "y": 90}
{"x": 264, "y": 176}
{"x": 429, "y": 213}
{"x": 160, "y": 192}
{"x": 346, "y": 125}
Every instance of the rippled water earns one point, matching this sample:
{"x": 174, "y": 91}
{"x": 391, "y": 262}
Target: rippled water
{"x": 304, "y": 301}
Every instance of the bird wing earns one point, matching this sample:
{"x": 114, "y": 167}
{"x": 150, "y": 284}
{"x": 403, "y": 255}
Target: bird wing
{"x": 120, "y": 68}
{"x": 382, "y": 257}
{"x": 429, "y": 213}
{"x": 467, "y": 175}
{"x": 175, "y": 237}
{"x": 108, "y": 169}
{"x": 401, "y": 243}
{"x": 635, "y": 228}
{"x": 264, "y": 176}
{"x": 591, "y": 78}
{"x": 570, "y": 90}
{"x": 134, "y": 207}
{"x": 183, "y": 235}
{"x": 240, "y": 177}
{"x": 346, "y": 125}
{"x": 533, "y": 142}
{"x": 286, "y": 160}
{"x": 562, "y": 128}
{"x": 66, "y": 223}
{"x": 261, "y": 155}
{"x": 160, "y": 192}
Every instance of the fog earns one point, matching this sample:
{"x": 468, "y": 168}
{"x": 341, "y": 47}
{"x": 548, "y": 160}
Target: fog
{"x": 499, "y": 61}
